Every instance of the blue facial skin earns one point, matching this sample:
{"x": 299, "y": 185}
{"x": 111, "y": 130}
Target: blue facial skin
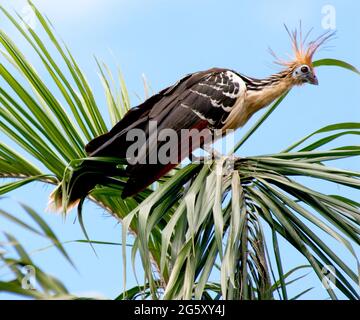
{"x": 305, "y": 74}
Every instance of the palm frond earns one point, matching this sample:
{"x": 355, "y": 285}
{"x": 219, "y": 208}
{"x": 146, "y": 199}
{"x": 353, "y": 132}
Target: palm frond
{"x": 19, "y": 274}
{"x": 261, "y": 189}
{"x": 49, "y": 134}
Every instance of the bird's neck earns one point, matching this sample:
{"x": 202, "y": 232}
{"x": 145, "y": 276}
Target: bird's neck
{"x": 259, "y": 94}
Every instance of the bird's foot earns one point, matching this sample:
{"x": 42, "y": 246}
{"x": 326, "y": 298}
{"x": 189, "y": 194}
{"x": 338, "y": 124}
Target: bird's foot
{"x": 226, "y": 164}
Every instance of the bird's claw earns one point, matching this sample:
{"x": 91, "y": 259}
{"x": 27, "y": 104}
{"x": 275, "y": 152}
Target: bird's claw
{"x": 225, "y": 165}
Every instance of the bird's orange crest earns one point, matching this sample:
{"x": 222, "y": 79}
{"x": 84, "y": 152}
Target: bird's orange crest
{"x": 303, "y": 51}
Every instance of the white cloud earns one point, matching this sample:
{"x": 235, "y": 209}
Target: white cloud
{"x": 65, "y": 9}
{"x": 70, "y": 7}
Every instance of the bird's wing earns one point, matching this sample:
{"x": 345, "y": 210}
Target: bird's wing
{"x": 112, "y": 143}
{"x": 201, "y": 102}
{"x": 202, "y": 91}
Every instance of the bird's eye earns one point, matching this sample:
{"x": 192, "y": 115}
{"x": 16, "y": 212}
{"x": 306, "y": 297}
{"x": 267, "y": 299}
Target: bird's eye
{"x": 304, "y": 69}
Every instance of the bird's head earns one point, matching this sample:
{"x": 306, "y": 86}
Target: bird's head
{"x": 300, "y": 67}
{"x": 304, "y": 73}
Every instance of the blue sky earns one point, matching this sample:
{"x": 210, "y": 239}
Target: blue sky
{"x": 165, "y": 40}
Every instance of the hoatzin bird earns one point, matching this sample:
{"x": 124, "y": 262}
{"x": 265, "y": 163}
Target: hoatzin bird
{"x": 214, "y": 99}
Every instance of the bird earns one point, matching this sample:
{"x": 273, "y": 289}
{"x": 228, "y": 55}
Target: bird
{"x": 217, "y": 99}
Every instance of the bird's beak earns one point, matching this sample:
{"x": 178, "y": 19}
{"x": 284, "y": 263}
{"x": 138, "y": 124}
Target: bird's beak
{"x": 312, "y": 79}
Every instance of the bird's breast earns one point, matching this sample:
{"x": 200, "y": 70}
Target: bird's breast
{"x": 238, "y": 115}
{"x": 251, "y": 102}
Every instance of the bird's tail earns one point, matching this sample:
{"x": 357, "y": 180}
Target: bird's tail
{"x": 57, "y": 200}
{"x": 80, "y": 178}
{"x": 68, "y": 193}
